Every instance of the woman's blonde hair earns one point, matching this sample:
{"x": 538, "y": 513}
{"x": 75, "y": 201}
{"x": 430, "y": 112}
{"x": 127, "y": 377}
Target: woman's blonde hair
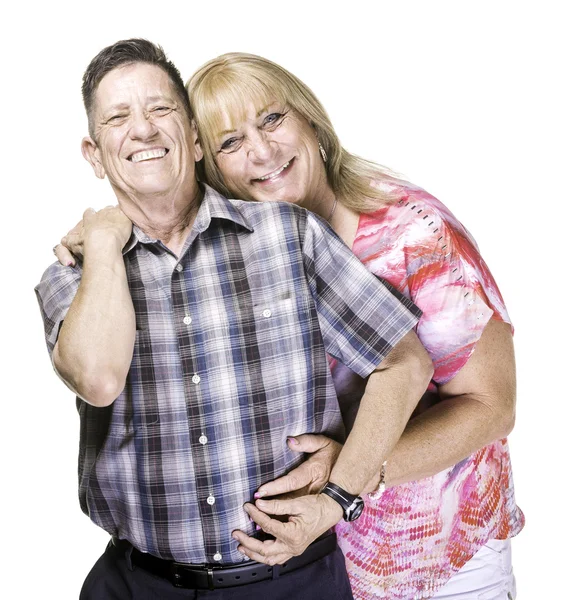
{"x": 227, "y": 84}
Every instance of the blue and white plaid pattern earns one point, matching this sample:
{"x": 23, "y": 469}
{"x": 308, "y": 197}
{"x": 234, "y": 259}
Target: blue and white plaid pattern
{"x": 230, "y": 359}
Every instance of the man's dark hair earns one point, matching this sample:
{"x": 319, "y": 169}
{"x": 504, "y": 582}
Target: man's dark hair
{"x": 123, "y": 53}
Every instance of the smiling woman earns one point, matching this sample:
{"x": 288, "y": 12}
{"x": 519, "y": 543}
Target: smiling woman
{"x": 251, "y": 169}
{"x": 450, "y": 496}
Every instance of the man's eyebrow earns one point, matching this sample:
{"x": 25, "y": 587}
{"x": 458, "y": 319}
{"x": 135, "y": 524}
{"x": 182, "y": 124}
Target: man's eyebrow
{"x": 126, "y": 105}
{"x": 115, "y": 107}
{"x": 162, "y": 99}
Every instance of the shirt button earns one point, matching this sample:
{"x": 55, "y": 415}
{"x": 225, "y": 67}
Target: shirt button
{"x": 267, "y": 313}
{"x": 196, "y": 379}
{"x": 187, "y": 320}
{"x": 217, "y": 557}
{"x": 179, "y": 268}
{"x": 202, "y": 439}
{"x": 210, "y": 500}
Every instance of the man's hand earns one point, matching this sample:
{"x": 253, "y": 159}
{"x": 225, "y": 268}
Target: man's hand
{"x": 308, "y": 518}
{"x": 108, "y": 223}
{"x": 312, "y": 474}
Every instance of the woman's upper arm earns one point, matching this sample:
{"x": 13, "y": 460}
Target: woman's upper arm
{"x": 489, "y": 375}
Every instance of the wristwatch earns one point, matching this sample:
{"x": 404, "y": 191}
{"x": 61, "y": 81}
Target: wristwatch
{"x": 351, "y": 505}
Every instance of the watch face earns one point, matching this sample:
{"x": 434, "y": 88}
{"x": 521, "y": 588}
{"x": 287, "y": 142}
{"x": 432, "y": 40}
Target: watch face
{"x": 355, "y": 510}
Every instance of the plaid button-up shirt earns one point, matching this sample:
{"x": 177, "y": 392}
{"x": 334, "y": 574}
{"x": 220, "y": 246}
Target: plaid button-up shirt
{"x": 229, "y": 359}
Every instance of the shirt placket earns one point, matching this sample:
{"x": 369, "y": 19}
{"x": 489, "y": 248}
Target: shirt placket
{"x": 202, "y": 436}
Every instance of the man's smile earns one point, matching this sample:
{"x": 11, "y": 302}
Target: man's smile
{"x": 148, "y": 154}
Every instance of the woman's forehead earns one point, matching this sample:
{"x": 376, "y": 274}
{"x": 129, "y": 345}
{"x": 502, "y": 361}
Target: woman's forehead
{"x": 234, "y": 112}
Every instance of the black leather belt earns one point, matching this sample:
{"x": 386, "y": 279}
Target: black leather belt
{"x": 211, "y": 577}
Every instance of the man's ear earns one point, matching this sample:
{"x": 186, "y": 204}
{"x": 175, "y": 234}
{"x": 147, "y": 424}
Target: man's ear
{"x": 92, "y": 155}
{"x": 198, "y": 152}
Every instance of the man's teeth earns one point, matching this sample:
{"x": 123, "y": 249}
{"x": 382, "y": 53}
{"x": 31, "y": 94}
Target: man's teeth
{"x": 274, "y": 173}
{"x": 148, "y": 154}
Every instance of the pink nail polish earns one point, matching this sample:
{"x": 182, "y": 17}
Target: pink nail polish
{"x": 292, "y": 441}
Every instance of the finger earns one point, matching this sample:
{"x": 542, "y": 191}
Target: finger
{"x": 270, "y": 552}
{"x": 308, "y": 442}
{"x": 297, "y": 479}
{"x": 88, "y": 213}
{"x": 265, "y": 522}
{"x": 279, "y": 507}
{"x": 271, "y": 560}
{"x": 64, "y": 256}
{"x": 73, "y": 242}
{"x": 251, "y": 543}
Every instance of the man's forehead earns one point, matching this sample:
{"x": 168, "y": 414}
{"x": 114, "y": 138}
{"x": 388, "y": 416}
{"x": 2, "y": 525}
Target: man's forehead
{"x": 128, "y": 83}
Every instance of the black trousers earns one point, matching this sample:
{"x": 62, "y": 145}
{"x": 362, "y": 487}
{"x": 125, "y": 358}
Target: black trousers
{"x": 113, "y": 578}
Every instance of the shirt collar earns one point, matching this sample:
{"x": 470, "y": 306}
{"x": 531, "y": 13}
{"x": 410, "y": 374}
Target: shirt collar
{"x": 214, "y": 206}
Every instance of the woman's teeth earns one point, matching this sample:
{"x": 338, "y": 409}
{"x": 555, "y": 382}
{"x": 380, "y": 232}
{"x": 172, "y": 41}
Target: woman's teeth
{"x": 274, "y": 173}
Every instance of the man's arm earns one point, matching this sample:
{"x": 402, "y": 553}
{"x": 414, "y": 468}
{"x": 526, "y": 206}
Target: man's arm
{"x": 391, "y": 394}
{"x": 95, "y": 345}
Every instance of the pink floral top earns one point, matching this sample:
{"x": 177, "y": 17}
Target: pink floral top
{"x": 409, "y": 542}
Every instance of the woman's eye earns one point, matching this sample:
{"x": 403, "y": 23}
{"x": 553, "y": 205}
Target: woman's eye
{"x": 273, "y": 119}
{"x": 161, "y": 110}
{"x": 229, "y": 145}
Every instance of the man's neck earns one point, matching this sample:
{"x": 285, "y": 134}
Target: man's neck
{"x": 165, "y": 218}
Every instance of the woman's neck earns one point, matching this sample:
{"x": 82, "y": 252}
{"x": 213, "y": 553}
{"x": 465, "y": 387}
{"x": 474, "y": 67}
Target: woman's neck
{"x": 344, "y": 222}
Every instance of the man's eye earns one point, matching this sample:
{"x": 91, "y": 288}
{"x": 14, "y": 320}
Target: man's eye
{"x": 116, "y": 119}
{"x": 230, "y": 145}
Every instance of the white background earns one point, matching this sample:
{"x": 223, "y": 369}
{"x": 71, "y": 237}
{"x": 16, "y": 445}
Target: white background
{"x": 467, "y": 99}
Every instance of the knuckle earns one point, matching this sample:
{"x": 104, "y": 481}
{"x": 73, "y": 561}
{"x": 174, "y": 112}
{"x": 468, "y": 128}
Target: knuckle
{"x": 292, "y": 481}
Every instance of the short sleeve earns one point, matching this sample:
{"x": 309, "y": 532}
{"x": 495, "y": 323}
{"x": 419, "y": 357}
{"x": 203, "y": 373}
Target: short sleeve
{"x": 426, "y": 253}
{"x": 55, "y": 292}
{"x": 360, "y": 319}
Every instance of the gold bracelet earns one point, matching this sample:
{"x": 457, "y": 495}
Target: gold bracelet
{"x": 381, "y": 487}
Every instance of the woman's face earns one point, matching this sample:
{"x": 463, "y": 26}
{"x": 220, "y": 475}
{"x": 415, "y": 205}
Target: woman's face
{"x": 272, "y": 155}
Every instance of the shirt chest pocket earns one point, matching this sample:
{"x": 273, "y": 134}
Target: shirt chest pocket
{"x": 281, "y": 322}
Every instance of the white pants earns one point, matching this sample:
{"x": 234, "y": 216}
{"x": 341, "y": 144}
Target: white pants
{"x": 488, "y": 575}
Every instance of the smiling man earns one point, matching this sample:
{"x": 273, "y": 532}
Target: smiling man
{"x": 194, "y": 334}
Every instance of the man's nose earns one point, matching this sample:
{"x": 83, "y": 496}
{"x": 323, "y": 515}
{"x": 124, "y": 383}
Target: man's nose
{"x": 142, "y": 126}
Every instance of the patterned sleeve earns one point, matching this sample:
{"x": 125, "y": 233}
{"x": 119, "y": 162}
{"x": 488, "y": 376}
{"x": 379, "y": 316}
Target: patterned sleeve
{"x": 55, "y": 292}
{"x": 360, "y": 319}
{"x": 429, "y": 255}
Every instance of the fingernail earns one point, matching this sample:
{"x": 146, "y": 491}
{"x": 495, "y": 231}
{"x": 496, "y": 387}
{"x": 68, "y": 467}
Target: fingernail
{"x": 292, "y": 441}
{"x": 70, "y": 263}
{"x": 260, "y": 494}
{"x": 258, "y": 527}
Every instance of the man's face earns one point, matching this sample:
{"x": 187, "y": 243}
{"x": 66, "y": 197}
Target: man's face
{"x": 145, "y": 142}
